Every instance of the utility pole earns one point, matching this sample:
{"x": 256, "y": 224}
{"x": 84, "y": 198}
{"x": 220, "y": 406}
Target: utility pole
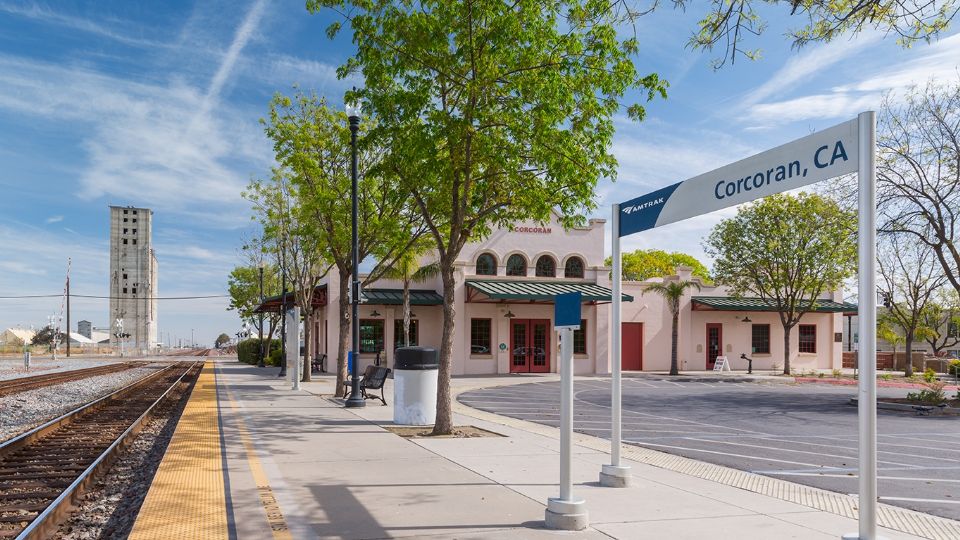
{"x": 68, "y": 312}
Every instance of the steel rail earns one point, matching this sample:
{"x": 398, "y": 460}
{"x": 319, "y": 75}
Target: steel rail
{"x": 46, "y": 522}
{"x": 22, "y": 384}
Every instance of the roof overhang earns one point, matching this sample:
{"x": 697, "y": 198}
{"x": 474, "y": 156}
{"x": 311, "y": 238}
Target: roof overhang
{"x": 274, "y": 304}
{"x": 731, "y": 303}
{"x": 394, "y": 297}
{"x": 536, "y": 291}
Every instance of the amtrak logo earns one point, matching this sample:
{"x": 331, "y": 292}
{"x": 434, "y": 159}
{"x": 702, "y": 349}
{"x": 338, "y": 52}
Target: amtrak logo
{"x": 644, "y": 205}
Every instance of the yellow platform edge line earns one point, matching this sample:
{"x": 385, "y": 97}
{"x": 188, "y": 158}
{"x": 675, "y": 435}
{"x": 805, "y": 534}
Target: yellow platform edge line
{"x": 186, "y": 498}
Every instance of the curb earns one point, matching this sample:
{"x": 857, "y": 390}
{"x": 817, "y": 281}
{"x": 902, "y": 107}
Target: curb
{"x": 891, "y": 517}
{"x": 936, "y": 411}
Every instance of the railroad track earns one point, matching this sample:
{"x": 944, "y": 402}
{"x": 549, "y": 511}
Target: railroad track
{"x": 44, "y": 470}
{"x": 21, "y": 384}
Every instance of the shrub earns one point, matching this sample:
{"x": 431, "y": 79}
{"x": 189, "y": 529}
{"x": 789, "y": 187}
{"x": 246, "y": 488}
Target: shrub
{"x": 886, "y": 376}
{"x": 276, "y": 356}
{"x": 929, "y": 375}
{"x": 248, "y": 350}
{"x": 932, "y": 395}
{"x": 954, "y": 368}
{"x": 820, "y": 375}
{"x": 836, "y": 373}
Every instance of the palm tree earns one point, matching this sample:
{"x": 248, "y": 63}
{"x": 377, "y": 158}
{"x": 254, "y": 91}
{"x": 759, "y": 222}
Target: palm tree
{"x": 407, "y": 269}
{"x": 672, "y": 292}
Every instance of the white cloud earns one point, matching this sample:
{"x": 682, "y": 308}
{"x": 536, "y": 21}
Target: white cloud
{"x": 139, "y": 147}
{"x": 808, "y": 63}
{"x": 54, "y": 219}
{"x": 243, "y": 34}
{"x": 869, "y": 80}
{"x": 59, "y": 18}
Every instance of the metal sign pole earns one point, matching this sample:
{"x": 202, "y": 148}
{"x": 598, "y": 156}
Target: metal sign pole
{"x": 867, "y": 355}
{"x": 615, "y": 474}
{"x": 566, "y": 512}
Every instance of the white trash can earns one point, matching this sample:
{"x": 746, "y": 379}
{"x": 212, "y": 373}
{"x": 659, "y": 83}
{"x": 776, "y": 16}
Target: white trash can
{"x": 415, "y": 371}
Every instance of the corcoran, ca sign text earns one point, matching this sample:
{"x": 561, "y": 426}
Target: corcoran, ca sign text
{"x": 822, "y": 155}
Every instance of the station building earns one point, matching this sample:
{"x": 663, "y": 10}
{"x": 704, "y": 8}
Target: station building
{"x": 504, "y": 311}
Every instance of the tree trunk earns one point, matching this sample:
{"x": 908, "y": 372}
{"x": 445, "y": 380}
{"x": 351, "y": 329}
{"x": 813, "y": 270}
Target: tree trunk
{"x": 344, "y": 336}
{"x": 907, "y": 357}
{"x": 406, "y": 312}
{"x": 307, "y": 338}
{"x": 786, "y": 349}
{"x": 675, "y": 336}
{"x": 444, "y": 422}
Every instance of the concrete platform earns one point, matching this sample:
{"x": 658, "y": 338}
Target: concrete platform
{"x": 299, "y": 465}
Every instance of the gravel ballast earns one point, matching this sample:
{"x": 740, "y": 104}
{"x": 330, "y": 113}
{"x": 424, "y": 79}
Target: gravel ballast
{"x": 24, "y": 410}
{"x": 12, "y": 368}
{"x": 109, "y": 509}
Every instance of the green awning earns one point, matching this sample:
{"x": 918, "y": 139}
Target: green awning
{"x": 394, "y": 297}
{"x": 538, "y": 291}
{"x": 730, "y": 303}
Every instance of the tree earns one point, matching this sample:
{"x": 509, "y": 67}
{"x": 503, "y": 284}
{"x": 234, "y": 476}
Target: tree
{"x": 728, "y": 22}
{"x": 222, "y": 340}
{"x": 409, "y": 270}
{"x": 311, "y": 142}
{"x": 286, "y": 223}
{"x": 672, "y": 292}
{"x": 495, "y": 112}
{"x": 941, "y": 321}
{"x": 647, "y": 263}
{"x": 788, "y": 250}
{"x": 887, "y": 331}
{"x": 909, "y": 278}
{"x": 918, "y": 173}
{"x": 47, "y": 336}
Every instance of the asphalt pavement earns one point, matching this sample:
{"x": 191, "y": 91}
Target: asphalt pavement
{"x": 802, "y": 433}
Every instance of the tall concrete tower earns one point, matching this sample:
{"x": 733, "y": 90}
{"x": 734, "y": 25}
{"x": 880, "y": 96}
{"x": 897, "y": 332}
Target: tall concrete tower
{"x": 133, "y": 277}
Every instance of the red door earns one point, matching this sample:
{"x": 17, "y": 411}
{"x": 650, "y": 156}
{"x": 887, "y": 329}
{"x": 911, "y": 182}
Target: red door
{"x": 631, "y": 346}
{"x": 530, "y": 346}
{"x": 714, "y": 343}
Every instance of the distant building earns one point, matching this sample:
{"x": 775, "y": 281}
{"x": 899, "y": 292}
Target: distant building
{"x": 85, "y": 328}
{"x": 17, "y": 336}
{"x": 133, "y": 276}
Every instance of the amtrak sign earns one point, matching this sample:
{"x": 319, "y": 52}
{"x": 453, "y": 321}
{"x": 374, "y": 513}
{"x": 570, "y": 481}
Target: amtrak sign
{"x": 846, "y": 148}
{"x": 823, "y": 155}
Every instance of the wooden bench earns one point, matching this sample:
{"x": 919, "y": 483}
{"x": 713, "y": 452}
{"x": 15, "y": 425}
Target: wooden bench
{"x": 373, "y": 378}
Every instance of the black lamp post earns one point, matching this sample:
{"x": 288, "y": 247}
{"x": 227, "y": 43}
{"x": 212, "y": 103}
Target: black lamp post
{"x": 355, "y": 399}
{"x": 261, "y": 363}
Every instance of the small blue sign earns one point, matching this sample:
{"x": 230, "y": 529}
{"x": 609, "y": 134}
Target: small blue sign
{"x": 566, "y": 310}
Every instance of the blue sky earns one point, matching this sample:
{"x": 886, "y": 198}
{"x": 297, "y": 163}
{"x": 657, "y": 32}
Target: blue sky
{"x": 156, "y": 104}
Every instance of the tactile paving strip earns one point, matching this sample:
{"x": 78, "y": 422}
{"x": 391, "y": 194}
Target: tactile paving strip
{"x": 186, "y": 498}
{"x": 891, "y": 517}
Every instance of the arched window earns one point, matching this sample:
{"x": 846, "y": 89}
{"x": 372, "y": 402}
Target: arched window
{"x": 573, "y": 268}
{"x": 516, "y": 265}
{"x": 546, "y": 266}
{"x": 486, "y": 265}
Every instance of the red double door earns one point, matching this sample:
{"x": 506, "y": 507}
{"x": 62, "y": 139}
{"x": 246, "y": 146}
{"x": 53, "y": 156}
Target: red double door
{"x": 530, "y": 345}
{"x": 631, "y": 346}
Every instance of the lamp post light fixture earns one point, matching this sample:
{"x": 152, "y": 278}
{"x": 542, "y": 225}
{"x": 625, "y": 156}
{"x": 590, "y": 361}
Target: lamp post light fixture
{"x": 355, "y": 399}
{"x": 260, "y": 363}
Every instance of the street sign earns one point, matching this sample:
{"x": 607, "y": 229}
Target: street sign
{"x": 849, "y": 147}
{"x": 566, "y": 311}
{"x": 823, "y": 155}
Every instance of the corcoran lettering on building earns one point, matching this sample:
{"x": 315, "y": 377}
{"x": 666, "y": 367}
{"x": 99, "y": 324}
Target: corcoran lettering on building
{"x": 535, "y": 230}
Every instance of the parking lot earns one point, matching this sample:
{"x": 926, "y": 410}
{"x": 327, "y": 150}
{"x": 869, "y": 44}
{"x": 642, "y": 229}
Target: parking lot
{"x": 802, "y": 433}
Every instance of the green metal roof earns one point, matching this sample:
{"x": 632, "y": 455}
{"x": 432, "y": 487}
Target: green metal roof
{"x": 730, "y": 303}
{"x": 394, "y": 297}
{"x": 542, "y": 291}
